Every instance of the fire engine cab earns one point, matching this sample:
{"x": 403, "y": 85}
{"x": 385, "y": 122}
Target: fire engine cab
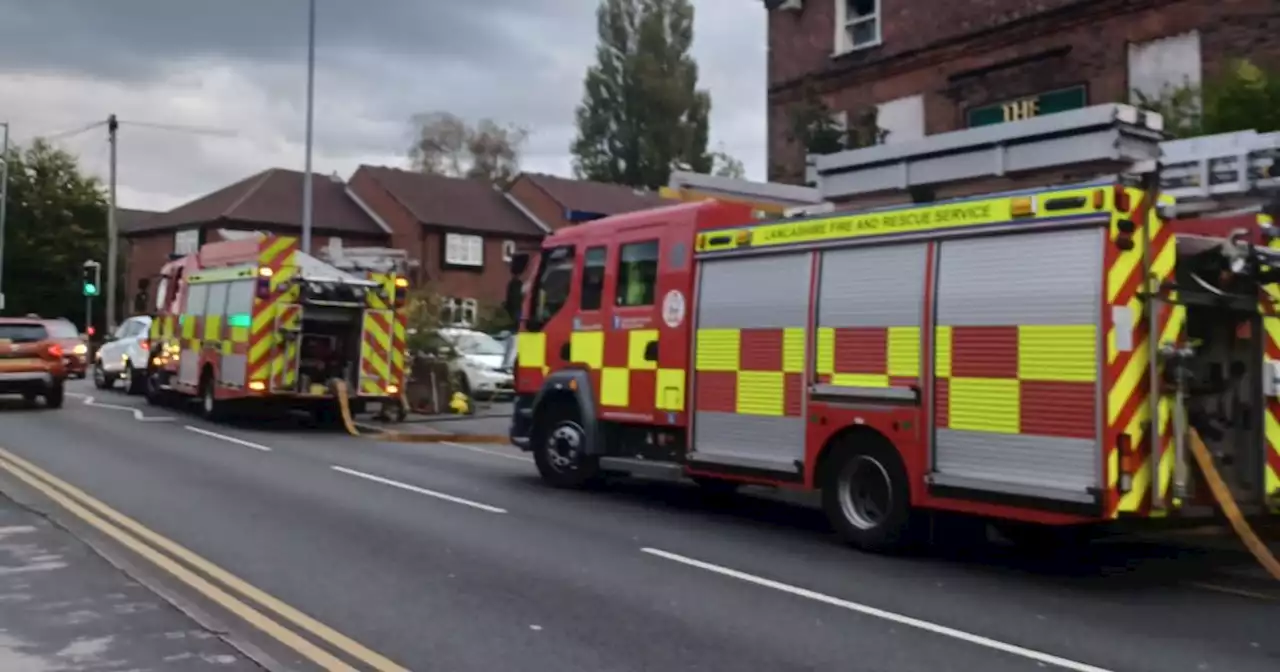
{"x": 1038, "y": 356}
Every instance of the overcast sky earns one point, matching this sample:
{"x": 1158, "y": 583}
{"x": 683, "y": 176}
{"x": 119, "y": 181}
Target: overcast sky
{"x": 239, "y": 66}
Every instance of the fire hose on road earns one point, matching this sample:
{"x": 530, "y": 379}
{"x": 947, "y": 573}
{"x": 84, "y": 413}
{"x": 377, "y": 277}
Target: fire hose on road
{"x": 379, "y": 434}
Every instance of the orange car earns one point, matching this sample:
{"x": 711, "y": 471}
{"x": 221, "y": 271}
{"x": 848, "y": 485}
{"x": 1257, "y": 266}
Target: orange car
{"x": 75, "y": 352}
{"x": 31, "y": 361}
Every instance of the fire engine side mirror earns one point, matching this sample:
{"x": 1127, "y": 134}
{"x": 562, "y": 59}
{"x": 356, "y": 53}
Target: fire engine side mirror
{"x": 518, "y": 264}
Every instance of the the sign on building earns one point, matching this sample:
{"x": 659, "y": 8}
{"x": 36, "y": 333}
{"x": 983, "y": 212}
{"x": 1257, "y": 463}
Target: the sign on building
{"x": 1037, "y": 105}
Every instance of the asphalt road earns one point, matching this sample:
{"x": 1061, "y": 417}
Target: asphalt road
{"x": 456, "y": 558}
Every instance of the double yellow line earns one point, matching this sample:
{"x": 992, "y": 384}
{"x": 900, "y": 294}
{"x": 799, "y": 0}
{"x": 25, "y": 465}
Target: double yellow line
{"x": 154, "y": 547}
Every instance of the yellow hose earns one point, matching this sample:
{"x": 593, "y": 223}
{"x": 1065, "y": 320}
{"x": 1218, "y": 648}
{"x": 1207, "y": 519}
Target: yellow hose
{"x": 1222, "y": 493}
{"x": 344, "y": 407}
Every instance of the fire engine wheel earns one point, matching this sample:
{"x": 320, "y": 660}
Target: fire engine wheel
{"x": 866, "y": 498}
{"x": 210, "y": 407}
{"x": 561, "y": 454}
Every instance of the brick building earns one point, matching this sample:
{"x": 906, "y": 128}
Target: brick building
{"x": 919, "y": 67}
{"x": 557, "y": 202}
{"x": 270, "y": 201}
{"x": 461, "y": 233}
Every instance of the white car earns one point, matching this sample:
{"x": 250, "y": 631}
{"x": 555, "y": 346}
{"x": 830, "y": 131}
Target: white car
{"x": 479, "y": 363}
{"x": 124, "y": 355}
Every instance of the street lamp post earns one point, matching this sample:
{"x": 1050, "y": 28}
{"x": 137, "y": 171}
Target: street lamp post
{"x": 311, "y": 84}
{"x": 4, "y": 200}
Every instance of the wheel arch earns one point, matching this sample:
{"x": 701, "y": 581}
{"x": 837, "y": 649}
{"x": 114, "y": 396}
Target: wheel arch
{"x": 570, "y": 386}
{"x": 853, "y": 435}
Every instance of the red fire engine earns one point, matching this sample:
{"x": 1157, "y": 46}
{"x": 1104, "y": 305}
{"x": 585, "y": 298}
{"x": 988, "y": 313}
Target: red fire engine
{"x": 258, "y": 320}
{"x": 1033, "y": 356}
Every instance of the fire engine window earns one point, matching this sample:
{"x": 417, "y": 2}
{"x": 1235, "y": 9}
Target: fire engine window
{"x": 554, "y": 281}
{"x": 592, "y": 278}
{"x": 162, "y": 291}
{"x": 217, "y": 299}
{"x": 196, "y": 295}
{"x": 637, "y": 273}
{"x": 239, "y": 302}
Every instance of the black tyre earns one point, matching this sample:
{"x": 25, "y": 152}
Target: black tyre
{"x": 135, "y": 381}
{"x": 866, "y": 496}
{"x": 101, "y": 379}
{"x": 55, "y": 395}
{"x": 156, "y": 396}
{"x": 210, "y": 407}
{"x": 559, "y": 451}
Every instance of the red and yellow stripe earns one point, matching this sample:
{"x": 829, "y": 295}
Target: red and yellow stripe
{"x": 267, "y": 349}
{"x": 1270, "y": 308}
{"x": 1148, "y": 463}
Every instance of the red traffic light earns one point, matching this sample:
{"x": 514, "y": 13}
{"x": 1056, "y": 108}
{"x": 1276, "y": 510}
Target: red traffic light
{"x": 90, "y": 330}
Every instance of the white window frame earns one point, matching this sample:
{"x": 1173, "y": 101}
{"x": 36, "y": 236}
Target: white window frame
{"x": 459, "y": 312}
{"x": 186, "y": 241}
{"x": 843, "y": 35}
{"x": 463, "y": 250}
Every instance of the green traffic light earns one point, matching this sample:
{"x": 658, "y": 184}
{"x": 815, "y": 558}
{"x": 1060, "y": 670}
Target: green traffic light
{"x": 90, "y": 289}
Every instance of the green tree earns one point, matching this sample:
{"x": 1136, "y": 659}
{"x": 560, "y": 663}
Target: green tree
{"x": 1240, "y": 98}
{"x": 57, "y": 219}
{"x": 642, "y": 114}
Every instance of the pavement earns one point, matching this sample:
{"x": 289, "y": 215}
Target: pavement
{"x": 65, "y": 607}
{"x": 311, "y": 549}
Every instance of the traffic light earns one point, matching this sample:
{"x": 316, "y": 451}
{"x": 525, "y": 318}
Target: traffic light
{"x": 91, "y": 279}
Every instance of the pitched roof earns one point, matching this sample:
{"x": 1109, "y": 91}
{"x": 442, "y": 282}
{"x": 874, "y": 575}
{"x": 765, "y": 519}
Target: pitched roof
{"x": 595, "y": 197}
{"x": 453, "y": 202}
{"x": 272, "y": 197}
{"x": 129, "y": 220}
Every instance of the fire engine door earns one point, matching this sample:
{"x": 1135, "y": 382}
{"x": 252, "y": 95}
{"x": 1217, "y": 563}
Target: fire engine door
{"x": 285, "y": 350}
{"x": 749, "y": 361}
{"x": 375, "y": 352}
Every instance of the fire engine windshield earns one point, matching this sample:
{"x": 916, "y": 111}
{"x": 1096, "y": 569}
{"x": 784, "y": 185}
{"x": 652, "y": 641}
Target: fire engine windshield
{"x": 552, "y": 290}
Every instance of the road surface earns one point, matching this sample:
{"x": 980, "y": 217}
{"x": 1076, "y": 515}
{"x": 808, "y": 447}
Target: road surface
{"x": 329, "y": 551}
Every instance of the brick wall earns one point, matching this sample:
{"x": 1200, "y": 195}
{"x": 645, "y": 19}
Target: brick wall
{"x": 1043, "y": 45}
{"x": 539, "y": 203}
{"x": 425, "y": 244}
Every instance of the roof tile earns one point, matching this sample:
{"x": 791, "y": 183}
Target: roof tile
{"x": 272, "y": 197}
{"x": 453, "y": 202}
{"x": 595, "y": 197}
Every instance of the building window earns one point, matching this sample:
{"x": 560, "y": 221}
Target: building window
{"x": 1160, "y": 67}
{"x": 186, "y": 242}
{"x": 456, "y": 312}
{"x": 460, "y": 250}
{"x": 901, "y": 119}
{"x": 857, "y": 24}
{"x": 637, "y": 274}
{"x": 508, "y": 249}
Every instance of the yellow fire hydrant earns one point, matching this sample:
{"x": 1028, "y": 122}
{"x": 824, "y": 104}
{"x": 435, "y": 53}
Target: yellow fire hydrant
{"x": 460, "y": 404}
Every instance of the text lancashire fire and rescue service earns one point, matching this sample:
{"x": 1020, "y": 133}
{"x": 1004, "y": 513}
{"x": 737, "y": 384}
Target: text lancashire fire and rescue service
{"x": 902, "y": 221}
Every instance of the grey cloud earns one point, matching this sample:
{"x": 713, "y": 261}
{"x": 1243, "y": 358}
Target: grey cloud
{"x": 378, "y": 62}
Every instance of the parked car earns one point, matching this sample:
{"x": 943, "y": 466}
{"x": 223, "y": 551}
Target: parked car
{"x": 478, "y": 363}
{"x": 31, "y": 361}
{"x": 123, "y": 356}
{"x": 75, "y": 348}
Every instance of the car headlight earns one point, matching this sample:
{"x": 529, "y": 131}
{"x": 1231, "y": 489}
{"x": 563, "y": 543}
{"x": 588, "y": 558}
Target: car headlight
{"x": 80, "y": 349}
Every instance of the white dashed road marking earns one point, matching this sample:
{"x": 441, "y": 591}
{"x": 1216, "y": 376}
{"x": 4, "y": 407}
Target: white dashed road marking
{"x": 927, "y": 626}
